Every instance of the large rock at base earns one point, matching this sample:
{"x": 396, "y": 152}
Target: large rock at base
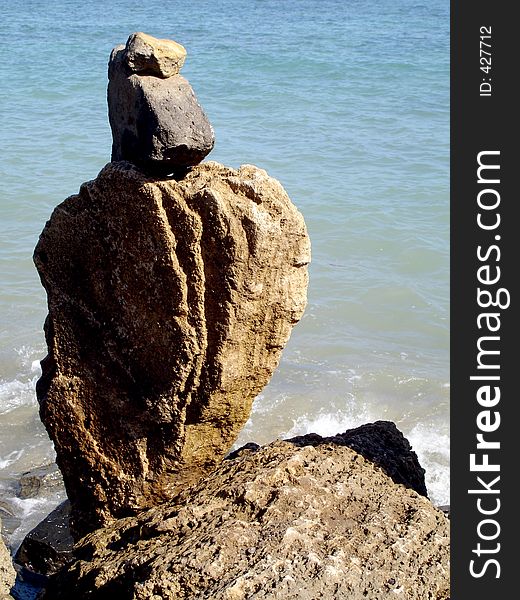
{"x": 285, "y": 522}
{"x": 156, "y": 123}
{"x": 169, "y": 305}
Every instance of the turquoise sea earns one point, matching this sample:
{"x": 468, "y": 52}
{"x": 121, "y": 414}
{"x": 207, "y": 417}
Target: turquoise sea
{"x": 346, "y": 103}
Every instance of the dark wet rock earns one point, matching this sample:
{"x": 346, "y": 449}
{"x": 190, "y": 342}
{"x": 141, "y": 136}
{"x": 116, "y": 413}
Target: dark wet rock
{"x": 48, "y": 547}
{"x": 249, "y": 447}
{"x": 28, "y": 585}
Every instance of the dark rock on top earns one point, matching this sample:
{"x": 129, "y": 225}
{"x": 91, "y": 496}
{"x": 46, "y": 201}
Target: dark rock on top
{"x": 382, "y": 443}
{"x": 156, "y": 122}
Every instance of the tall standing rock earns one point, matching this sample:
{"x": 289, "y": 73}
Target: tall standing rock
{"x": 156, "y": 120}
{"x": 170, "y": 302}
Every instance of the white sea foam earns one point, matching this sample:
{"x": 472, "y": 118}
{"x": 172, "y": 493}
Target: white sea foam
{"x": 9, "y": 459}
{"x": 328, "y": 424}
{"x": 26, "y": 357}
{"x": 16, "y": 393}
{"x": 27, "y": 506}
{"x": 432, "y": 445}
{"x": 24, "y": 444}
{"x": 20, "y": 391}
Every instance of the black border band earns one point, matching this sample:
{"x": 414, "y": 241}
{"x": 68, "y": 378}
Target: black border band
{"x": 485, "y": 262}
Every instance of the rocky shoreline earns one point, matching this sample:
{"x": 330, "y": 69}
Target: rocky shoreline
{"x": 173, "y": 286}
{"x": 304, "y": 518}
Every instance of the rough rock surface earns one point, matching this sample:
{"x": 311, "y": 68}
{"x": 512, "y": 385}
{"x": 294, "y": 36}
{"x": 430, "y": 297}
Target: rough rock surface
{"x": 147, "y": 54}
{"x": 286, "y": 522}
{"x": 156, "y": 123}
{"x": 169, "y": 305}
{"x": 380, "y": 442}
{"x": 48, "y": 546}
{"x": 7, "y": 572}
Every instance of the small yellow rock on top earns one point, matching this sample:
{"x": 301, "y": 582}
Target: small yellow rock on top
{"x": 148, "y": 55}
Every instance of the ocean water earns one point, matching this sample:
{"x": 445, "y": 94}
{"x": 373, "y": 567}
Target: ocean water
{"x": 346, "y": 103}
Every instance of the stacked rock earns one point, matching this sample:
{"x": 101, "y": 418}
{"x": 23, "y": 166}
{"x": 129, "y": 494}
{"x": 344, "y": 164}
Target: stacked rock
{"x": 156, "y": 121}
{"x": 170, "y": 298}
